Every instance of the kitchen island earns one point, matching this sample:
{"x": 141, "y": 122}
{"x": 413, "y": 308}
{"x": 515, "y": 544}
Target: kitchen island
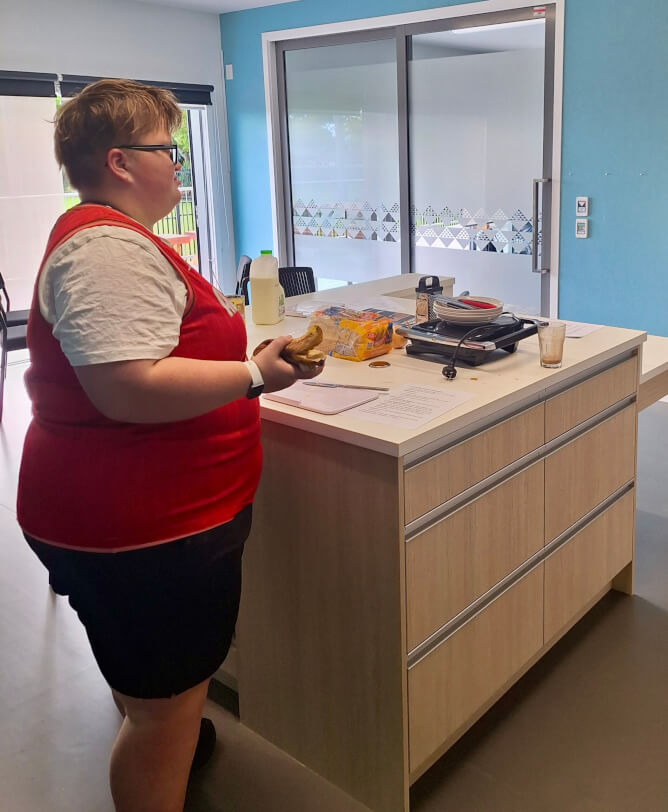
{"x": 398, "y": 581}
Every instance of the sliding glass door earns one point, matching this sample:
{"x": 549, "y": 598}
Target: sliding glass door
{"x": 342, "y": 136}
{"x": 476, "y": 135}
{"x": 427, "y": 149}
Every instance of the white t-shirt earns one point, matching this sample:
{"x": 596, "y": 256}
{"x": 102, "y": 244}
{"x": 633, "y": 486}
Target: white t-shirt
{"x": 111, "y": 296}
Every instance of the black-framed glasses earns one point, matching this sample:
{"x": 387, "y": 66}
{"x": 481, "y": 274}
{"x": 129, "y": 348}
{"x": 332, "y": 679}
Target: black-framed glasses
{"x": 175, "y": 153}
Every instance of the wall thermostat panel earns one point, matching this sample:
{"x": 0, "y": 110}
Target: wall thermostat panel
{"x": 582, "y": 229}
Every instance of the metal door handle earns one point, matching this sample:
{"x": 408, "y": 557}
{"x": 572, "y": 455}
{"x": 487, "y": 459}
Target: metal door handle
{"x": 534, "y": 227}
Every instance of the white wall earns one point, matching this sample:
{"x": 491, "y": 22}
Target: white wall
{"x": 132, "y": 40}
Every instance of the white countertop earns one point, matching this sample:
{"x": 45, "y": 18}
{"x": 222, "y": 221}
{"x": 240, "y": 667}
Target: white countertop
{"x": 400, "y": 287}
{"x": 496, "y": 385}
{"x": 654, "y": 358}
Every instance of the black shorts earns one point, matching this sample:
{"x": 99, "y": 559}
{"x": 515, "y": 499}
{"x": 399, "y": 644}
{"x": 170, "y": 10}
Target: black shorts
{"x": 160, "y": 619}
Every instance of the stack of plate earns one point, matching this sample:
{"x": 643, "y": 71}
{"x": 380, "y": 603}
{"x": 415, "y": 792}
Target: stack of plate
{"x": 456, "y": 315}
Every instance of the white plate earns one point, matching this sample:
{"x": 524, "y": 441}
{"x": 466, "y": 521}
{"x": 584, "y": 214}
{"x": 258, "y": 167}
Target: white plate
{"x": 480, "y": 316}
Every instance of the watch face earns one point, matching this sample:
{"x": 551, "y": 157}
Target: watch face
{"x": 254, "y": 390}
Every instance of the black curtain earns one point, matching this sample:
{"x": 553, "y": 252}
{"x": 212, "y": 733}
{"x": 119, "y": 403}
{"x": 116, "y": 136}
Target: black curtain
{"x": 185, "y": 93}
{"x": 23, "y": 83}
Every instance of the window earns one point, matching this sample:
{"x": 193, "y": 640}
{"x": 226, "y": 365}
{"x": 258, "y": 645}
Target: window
{"x": 34, "y": 192}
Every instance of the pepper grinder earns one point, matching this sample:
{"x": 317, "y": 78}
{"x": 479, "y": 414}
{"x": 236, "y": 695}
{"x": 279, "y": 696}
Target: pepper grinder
{"x": 428, "y": 287}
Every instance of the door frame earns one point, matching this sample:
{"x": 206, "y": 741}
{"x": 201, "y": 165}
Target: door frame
{"x": 274, "y": 98}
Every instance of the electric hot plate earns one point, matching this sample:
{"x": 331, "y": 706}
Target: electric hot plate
{"x": 437, "y": 340}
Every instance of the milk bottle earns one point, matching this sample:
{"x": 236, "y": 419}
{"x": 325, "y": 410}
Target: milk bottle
{"x": 267, "y": 295}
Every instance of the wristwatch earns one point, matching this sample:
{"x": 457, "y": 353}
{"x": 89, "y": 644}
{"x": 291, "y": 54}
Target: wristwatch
{"x": 257, "y": 382}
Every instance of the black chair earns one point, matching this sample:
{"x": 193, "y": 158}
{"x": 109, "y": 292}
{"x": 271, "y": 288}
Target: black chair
{"x": 15, "y": 318}
{"x": 243, "y": 273}
{"x": 13, "y": 338}
{"x": 296, "y": 281}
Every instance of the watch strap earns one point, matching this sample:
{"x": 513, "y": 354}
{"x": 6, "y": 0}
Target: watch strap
{"x": 257, "y": 381}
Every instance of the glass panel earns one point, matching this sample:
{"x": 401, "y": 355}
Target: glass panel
{"x": 178, "y": 227}
{"x": 476, "y": 143}
{"x": 32, "y": 195}
{"x": 342, "y": 125}
{"x": 202, "y": 194}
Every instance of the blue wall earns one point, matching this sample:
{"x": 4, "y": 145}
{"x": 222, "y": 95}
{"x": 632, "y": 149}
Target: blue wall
{"x": 614, "y": 146}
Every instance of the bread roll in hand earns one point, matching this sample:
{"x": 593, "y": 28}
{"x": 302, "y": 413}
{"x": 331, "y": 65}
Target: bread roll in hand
{"x": 301, "y": 351}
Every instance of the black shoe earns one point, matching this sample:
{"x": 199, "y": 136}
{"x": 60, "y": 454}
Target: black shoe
{"x": 206, "y": 744}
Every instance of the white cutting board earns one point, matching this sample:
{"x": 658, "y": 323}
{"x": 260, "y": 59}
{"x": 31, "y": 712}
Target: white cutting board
{"x": 321, "y": 399}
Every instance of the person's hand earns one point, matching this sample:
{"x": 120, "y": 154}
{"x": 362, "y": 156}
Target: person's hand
{"x": 277, "y": 373}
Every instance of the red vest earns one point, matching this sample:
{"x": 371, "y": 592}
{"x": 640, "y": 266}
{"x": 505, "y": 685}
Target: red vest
{"x": 96, "y": 484}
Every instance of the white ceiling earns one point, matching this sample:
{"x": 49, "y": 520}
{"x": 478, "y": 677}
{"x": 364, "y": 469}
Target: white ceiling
{"x": 216, "y": 6}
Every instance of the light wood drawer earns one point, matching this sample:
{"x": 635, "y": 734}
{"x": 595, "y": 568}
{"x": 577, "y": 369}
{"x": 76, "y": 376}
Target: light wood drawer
{"x": 587, "y": 470}
{"x": 580, "y": 569}
{"x": 445, "y": 475}
{"x": 473, "y": 666}
{"x": 454, "y": 562}
{"x": 575, "y": 405}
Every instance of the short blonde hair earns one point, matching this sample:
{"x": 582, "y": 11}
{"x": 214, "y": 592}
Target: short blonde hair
{"x": 103, "y": 115}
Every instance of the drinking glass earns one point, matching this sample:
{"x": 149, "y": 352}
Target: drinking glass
{"x": 551, "y": 335}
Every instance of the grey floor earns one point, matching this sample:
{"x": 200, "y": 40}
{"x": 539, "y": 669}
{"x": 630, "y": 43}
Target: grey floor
{"x": 586, "y": 729}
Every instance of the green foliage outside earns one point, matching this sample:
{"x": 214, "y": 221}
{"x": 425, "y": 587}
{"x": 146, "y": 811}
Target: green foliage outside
{"x": 181, "y": 138}
{"x": 70, "y": 202}
{"x": 187, "y": 216}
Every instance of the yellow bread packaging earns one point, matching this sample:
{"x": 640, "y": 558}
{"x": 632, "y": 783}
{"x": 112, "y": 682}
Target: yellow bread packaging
{"x": 353, "y": 335}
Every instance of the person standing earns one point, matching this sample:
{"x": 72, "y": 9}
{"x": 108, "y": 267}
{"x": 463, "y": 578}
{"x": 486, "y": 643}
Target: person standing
{"x": 143, "y": 454}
